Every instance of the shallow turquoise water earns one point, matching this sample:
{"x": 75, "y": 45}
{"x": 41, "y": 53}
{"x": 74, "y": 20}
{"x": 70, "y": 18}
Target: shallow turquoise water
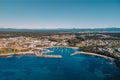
{"x": 79, "y": 67}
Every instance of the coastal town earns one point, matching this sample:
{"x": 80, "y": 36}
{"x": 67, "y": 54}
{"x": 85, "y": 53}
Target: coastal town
{"x": 103, "y": 44}
{"x": 59, "y": 39}
{"x": 26, "y": 45}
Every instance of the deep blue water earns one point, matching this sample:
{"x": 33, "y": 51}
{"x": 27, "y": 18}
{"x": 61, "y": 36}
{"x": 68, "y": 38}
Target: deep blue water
{"x": 79, "y": 67}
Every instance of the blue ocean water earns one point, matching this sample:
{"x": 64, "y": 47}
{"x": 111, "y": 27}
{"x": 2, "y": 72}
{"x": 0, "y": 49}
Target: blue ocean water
{"x": 79, "y": 67}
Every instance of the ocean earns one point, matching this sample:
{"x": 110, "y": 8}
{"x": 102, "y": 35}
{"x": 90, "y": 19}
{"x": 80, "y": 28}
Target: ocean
{"x": 78, "y": 67}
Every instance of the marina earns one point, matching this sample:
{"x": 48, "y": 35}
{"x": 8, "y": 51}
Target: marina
{"x": 56, "y": 64}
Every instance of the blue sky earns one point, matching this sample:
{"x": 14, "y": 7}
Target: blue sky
{"x": 59, "y": 13}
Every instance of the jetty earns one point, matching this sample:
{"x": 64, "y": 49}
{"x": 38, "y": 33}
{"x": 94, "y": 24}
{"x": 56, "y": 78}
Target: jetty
{"x": 50, "y": 56}
{"x": 92, "y": 54}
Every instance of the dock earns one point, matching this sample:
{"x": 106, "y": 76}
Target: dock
{"x": 50, "y": 56}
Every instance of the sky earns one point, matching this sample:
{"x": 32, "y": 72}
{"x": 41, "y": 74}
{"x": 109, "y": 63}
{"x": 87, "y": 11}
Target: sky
{"x": 43, "y": 14}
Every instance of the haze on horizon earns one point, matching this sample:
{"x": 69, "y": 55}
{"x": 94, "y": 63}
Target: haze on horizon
{"x": 35, "y": 14}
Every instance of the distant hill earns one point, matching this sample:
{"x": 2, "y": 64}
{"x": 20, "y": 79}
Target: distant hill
{"x": 61, "y": 30}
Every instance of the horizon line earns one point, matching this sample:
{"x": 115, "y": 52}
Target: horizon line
{"x": 61, "y": 28}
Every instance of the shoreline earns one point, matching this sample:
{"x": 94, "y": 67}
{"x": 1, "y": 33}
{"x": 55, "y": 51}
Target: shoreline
{"x": 55, "y": 56}
{"x": 40, "y": 55}
{"x": 92, "y": 54}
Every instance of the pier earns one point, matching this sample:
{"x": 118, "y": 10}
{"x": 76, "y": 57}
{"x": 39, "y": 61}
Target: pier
{"x": 50, "y": 56}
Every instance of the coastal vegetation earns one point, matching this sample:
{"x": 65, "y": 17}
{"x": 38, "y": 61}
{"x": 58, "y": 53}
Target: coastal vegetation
{"x": 95, "y": 49}
{"x": 107, "y": 44}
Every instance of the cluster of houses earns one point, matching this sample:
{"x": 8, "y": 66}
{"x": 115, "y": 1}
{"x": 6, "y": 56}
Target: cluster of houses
{"x": 28, "y": 43}
{"x": 100, "y": 42}
{"x": 104, "y": 45}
